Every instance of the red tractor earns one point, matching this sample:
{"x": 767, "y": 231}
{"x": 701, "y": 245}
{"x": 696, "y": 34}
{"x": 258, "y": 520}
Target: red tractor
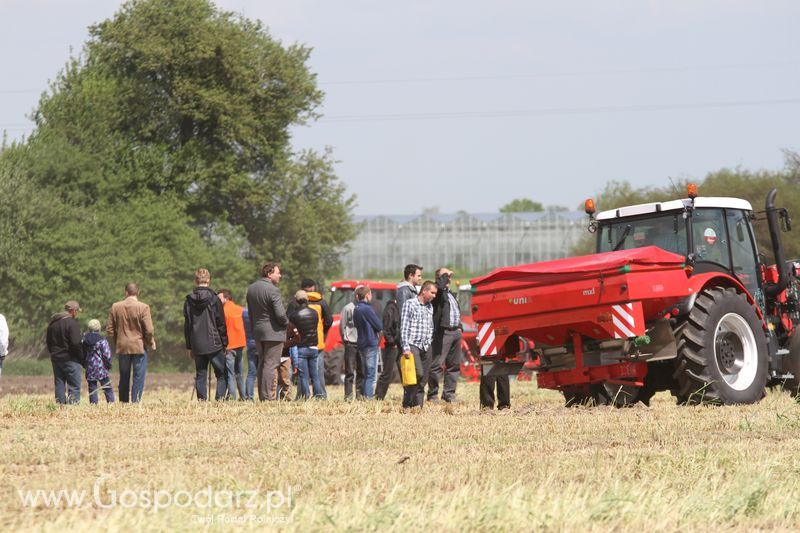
{"x": 676, "y": 298}
{"x": 341, "y": 293}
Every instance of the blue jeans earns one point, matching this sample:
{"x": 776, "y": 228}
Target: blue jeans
{"x": 237, "y": 367}
{"x": 139, "y": 364}
{"x": 370, "y": 355}
{"x": 233, "y": 373}
{"x": 252, "y": 371}
{"x": 105, "y": 384}
{"x": 307, "y": 357}
{"x": 69, "y": 372}
{"x": 217, "y": 361}
{"x": 321, "y": 373}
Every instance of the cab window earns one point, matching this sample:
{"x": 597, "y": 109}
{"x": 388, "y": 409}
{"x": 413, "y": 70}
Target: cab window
{"x": 744, "y": 253}
{"x": 668, "y": 232}
{"x": 710, "y": 236}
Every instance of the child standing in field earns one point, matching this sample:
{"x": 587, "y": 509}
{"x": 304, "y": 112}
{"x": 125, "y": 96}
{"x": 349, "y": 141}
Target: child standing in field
{"x": 97, "y": 357}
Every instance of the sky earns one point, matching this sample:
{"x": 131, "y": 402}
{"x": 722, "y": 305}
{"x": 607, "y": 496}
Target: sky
{"x": 466, "y": 105}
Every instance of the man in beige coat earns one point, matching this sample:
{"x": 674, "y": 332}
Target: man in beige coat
{"x": 130, "y": 329}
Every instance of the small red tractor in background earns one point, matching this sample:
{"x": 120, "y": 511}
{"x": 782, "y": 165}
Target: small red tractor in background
{"x": 342, "y": 292}
{"x": 676, "y": 298}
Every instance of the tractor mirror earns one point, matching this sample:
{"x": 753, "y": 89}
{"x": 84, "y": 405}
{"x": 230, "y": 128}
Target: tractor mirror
{"x": 786, "y": 220}
{"x": 739, "y": 231}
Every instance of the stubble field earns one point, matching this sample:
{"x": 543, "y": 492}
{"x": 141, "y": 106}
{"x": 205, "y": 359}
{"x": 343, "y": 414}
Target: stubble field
{"x": 172, "y": 464}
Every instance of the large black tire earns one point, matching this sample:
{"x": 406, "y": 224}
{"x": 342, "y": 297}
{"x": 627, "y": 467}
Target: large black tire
{"x": 722, "y": 351}
{"x": 597, "y": 395}
{"x": 792, "y": 364}
{"x": 608, "y": 394}
{"x": 334, "y": 366}
{"x": 628, "y": 395}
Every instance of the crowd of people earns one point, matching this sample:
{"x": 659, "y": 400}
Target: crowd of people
{"x": 284, "y": 343}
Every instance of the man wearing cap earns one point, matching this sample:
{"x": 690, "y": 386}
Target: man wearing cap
{"x": 130, "y": 328}
{"x": 318, "y": 304}
{"x": 64, "y": 346}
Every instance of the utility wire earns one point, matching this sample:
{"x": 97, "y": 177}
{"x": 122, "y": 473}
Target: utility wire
{"x": 517, "y": 113}
{"x": 612, "y": 72}
{"x": 559, "y": 74}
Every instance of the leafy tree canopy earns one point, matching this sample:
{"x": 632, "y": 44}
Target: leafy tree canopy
{"x": 163, "y": 147}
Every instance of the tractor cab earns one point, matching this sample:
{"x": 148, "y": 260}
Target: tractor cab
{"x": 714, "y": 234}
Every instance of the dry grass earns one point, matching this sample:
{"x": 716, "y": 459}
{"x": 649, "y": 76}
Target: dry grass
{"x": 367, "y": 465}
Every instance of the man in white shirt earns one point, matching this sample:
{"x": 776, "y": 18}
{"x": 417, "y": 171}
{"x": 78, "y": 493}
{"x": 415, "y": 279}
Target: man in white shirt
{"x": 353, "y": 363}
{"x": 3, "y": 341}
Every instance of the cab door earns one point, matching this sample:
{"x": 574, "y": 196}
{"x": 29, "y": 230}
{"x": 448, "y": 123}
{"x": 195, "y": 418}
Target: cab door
{"x": 743, "y": 250}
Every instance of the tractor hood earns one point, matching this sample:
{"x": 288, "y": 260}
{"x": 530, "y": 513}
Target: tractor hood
{"x": 585, "y": 266}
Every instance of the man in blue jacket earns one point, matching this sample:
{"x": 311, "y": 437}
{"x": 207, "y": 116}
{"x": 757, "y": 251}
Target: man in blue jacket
{"x": 369, "y": 328}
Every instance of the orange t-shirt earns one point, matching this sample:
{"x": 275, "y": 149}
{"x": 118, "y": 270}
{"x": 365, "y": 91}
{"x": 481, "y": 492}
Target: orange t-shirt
{"x": 235, "y": 325}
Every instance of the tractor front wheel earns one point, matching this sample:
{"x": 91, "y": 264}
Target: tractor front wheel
{"x": 722, "y": 351}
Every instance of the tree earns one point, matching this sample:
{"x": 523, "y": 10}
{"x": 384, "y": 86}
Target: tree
{"x": 522, "y": 205}
{"x": 163, "y": 147}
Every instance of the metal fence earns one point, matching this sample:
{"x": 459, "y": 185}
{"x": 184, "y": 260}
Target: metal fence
{"x": 472, "y": 242}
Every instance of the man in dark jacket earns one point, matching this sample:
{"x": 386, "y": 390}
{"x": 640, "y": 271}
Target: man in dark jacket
{"x": 446, "y": 340}
{"x": 318, "y": 303}
{"x": 306, "y": 320}
{"x": 206, "y": 334}
{"x": 408, "y": 288}
{"x": 66, "y": 354}
{"x": 268, "y": 323}
{"x": 369, "y": 329}
{"x": 391, "y": 340}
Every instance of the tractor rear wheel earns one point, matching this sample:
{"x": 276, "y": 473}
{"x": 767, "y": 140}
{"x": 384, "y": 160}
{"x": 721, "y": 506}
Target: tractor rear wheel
{"x": 334, "y": 366}
{"x": 722, "y": 351}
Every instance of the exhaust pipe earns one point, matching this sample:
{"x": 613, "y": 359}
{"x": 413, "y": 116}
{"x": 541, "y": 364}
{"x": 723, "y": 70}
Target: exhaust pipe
{"x": 777, "y": 246}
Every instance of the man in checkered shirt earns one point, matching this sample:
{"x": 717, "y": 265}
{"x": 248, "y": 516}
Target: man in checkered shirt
{"x": 416, "y": 332}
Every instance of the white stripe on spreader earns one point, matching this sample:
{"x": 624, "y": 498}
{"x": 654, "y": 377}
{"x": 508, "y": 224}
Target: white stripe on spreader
{"x": 625, "y": 315}
{"x": 486, "y": 345}
{"x": 483, "y": 329}
{"x": 622, "y": 327}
